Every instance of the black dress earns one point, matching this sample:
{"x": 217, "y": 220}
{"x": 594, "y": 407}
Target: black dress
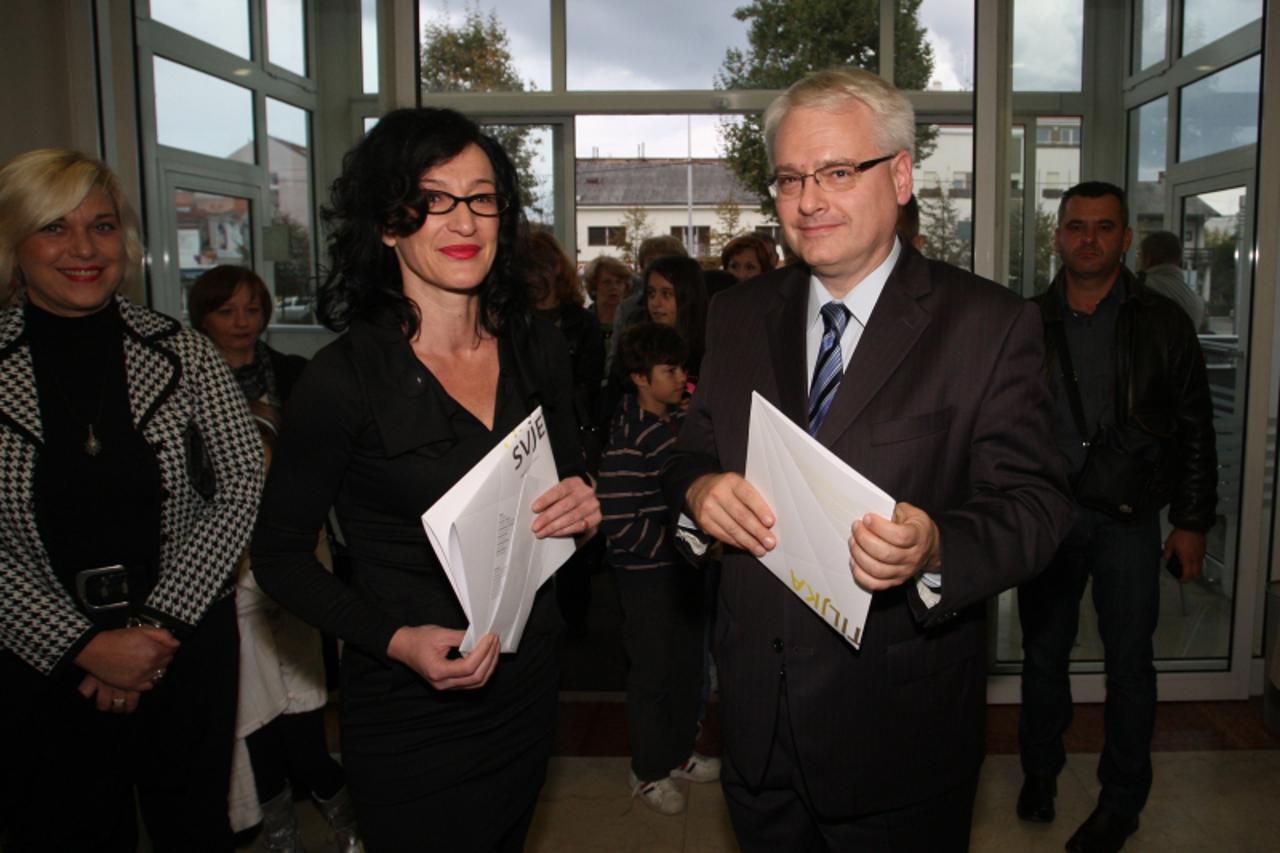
{"x": 370, "y": 431}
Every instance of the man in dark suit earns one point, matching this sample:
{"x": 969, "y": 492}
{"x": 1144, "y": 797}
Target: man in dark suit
{"x": 928, "y": 381}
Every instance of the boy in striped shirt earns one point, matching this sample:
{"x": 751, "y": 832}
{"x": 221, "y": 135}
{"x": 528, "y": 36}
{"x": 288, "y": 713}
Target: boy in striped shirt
{"x": 662, "y": 597}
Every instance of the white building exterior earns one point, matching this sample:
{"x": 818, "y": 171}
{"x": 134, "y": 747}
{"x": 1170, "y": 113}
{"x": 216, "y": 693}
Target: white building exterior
{"x": 607, "y": 188}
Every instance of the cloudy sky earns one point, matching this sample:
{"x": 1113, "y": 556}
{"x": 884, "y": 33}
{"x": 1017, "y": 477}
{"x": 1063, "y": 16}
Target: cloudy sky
{"x": 659, "y": 44}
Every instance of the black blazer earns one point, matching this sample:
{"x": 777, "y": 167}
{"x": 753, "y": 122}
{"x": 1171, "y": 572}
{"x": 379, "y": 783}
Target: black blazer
{"x": 944, "y": 406}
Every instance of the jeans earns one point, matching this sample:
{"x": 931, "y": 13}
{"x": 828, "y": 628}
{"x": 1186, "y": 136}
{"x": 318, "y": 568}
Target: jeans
{"x": 1123, "y": 559}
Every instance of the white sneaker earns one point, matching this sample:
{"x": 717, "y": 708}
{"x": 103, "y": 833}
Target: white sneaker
{"x": 698, "y": 768}
{"x": 663, "y": 796}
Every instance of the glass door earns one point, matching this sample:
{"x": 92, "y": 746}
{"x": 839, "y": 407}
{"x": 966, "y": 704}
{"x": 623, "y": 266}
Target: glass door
{"x": 208, "y": 222}
{"x": 1215, "y": 224}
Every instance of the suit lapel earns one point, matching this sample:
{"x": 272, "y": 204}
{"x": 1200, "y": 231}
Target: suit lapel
{"x": 785, "y": 321}
{"x": 896, "y": 323}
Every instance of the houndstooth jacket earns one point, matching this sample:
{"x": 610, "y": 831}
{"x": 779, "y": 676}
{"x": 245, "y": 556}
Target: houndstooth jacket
{"x": 177, "y": 381}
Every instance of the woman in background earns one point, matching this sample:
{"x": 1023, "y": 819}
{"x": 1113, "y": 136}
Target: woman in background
{"x": 439, "y": 361}
{"x": 675, "y": 295}
{"x": 747, "y": 256}
{"x": 557, "y": 297}
{"x": 232, "y": 306}
{"x": 608, "y": 280}
{"x": 280, "y": 722}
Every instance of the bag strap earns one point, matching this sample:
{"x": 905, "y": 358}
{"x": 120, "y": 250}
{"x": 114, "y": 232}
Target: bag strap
{"x": 1070, "y": 380}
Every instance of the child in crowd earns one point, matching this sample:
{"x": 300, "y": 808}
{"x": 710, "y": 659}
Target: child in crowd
{"x": 662, "y": 597}
{"x": 675, "y": 294}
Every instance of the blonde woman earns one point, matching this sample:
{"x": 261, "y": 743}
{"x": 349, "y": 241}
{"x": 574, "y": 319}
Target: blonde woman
{"x": 131, "y": 477}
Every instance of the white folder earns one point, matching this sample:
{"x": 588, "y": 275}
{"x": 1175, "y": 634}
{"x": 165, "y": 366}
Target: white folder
{"x": 480, "y": 531}
{"x": 815, "y": 498}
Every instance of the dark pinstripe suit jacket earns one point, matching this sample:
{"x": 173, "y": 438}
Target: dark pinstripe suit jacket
{"x": 944, "y": 406}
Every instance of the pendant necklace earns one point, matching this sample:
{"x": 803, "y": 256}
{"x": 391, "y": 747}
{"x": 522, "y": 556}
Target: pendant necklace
{"x": 92, "y": 445}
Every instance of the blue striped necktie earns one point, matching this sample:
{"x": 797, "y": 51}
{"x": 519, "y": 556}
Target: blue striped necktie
{"x": 830, "y": 366}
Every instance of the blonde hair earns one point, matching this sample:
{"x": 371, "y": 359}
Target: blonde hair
{"x": 832, "y": 89}
{"x": 42, "y": 186}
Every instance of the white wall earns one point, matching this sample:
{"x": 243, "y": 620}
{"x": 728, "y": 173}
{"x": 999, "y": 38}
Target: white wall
{"x": 661, "y": 220}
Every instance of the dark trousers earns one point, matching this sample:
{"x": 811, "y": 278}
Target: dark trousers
{"x": 1123, "y": 559}
{"x": 663, "y": 619}
{"x": 292, "y": 746}
{"x": 779, "y": 814}
{"x": 71, "y": 772}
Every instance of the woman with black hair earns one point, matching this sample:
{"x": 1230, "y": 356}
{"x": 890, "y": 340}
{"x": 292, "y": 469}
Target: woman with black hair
{"x": 675, "y": 294}
{"x": 439, "y": 361}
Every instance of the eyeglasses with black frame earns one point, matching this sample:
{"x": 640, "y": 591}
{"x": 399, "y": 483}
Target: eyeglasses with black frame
{"x": 439, "y": 202}
{"x": 836, "y": 178}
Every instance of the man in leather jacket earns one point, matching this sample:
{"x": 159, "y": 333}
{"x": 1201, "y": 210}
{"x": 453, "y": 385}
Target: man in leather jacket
{"x": 1140, "y": 388}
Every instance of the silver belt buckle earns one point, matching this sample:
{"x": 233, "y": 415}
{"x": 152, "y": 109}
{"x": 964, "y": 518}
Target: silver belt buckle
{"x": 87, "y": 576}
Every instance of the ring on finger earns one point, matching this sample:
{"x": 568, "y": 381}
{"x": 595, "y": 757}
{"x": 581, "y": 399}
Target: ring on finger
{"x": 117, "y": 702}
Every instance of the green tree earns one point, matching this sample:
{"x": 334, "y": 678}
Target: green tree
{"x": 635, "y": 230}
{"x": 728, "y": 221}
{"x": 940, "y": 226}
{"x": 1046, "y": 258}
{"x": 789, "y": 38}
{"x": 475, "y": 56}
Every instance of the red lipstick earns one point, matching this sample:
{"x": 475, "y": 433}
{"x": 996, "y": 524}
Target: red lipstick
{"x": 461, "y": 251}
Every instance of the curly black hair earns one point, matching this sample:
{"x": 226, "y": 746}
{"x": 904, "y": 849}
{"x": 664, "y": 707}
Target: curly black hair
{"x": 380, "y": 192}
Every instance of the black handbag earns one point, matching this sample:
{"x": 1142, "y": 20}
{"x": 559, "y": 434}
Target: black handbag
{"x": 1122, "y": 459}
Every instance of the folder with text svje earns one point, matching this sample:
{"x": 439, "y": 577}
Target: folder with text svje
{"x": 480, "y": 530}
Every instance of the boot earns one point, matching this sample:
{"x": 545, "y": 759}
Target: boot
{"x": 280, "y": 824}
{"x": 341, "y": 815}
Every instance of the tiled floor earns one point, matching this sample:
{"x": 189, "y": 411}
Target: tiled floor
{"x": 1217, "y": 786}
{"x": 1217, "y": 769}
{"x": 1202, "y": 801}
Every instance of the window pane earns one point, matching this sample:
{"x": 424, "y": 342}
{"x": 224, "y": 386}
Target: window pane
{"x": 1215, "y": 263}
{"x": 633, "y": 178}
{"x": 1047, "y": 39}
{"x": 287, "y": 35}
{"x": 1220, "y": 112}
{"x": 369, "y": 45}
{"x": 944, "y": 190}
{"x": 1057, "y": 169}
{"x": 1148, "y": 135}
{"x": 947, "y": 65}
{"x": 1212, "y": 233}
{"x": 221, "y": 24}
{"x": 1204, "y": 21}
{"x": 202, "y": 113}
{"x": 1152, "y": 27}
{"x": 530, "y": 148}
{"x": 1017, "y": 276}
{"x": 212, "y": 229}
{"x": 289, "y": 239}
{"x": 488, "y": 46}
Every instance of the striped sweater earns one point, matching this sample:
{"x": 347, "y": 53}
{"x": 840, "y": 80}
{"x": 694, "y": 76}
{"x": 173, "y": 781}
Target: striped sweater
{"x": 635, "y": 514}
